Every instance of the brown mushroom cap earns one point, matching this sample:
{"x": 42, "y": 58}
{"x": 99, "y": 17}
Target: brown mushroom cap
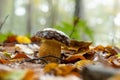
{"x": 50, "y": 33}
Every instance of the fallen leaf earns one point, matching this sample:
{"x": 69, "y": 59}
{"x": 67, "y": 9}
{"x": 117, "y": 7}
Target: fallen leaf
{"x": 64, "y": 70}
{"x": 11, "y": 39}
{"x": 29, "y": 75}
{"x": 74, "y": 58}
{"x": 20, "y": 55}
{"x": 4, "y": 61}
{"x": 82, "y": 63}
{"x": 79, "y": 45}
{"x": 49, "y": 67}
{"x": 60, "y": 69}
{"x": 23, "y": 39}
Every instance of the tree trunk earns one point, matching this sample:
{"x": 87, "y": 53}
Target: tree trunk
{"x": 29, "y": 17}
{"x": 53, "y": 5}
{"x": 2, "y": 12}
{"x": 1, "y": 8}
{"x": 12, "y": 15}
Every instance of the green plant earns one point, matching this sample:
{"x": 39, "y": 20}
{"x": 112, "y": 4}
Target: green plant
{"x": 3, "y": 36}
{"x": 79, "y": 32}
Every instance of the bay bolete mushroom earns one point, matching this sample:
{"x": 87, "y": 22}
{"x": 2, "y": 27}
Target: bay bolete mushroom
{"x": 51, "y": 42}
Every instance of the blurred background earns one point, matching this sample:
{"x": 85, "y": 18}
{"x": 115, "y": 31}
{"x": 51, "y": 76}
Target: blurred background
{"x": 96, "y": 20}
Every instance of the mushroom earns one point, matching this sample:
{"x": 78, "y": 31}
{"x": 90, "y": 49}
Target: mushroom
{"x": 51, "y": 43}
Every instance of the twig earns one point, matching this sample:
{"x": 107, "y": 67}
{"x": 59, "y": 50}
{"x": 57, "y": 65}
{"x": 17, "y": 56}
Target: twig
{"x": 3, "y": 22}
{"x": 75, "y": 22}
{"x": 51, "y": 56}
{"x": 30, "y": 60}
{"x": 73, "y": 30}
{"x": 42, "y": 58}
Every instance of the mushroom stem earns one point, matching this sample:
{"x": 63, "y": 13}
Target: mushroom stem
{"x": 50, "y": 47}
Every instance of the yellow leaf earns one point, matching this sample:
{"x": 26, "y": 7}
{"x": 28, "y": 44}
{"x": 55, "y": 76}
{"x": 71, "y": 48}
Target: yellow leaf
{"x": 49, "y": 67}
{"x": 23, "y": 39}
{"x": 83, "y": 63}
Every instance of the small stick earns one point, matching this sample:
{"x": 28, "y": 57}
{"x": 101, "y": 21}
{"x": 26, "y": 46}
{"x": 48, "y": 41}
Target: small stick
{"x": 3, "y": 22}
{"x": 42, "y": 58}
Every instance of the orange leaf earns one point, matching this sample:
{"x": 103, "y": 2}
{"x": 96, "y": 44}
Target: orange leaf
{"x": 3, "y": 61}
{"x": 29, "y": 75}
{"x": 21, "y": 55}
{"x": 11, "y": 39}
{"x": 64, "y": 69}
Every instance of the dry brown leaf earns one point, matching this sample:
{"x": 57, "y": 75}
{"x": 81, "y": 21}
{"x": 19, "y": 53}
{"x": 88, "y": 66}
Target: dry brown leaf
{"x": 114, "y": 61}
{"x": 74, "y": 58}
{"x": 107, "y": 49}
{"x": 35, "y": 39}
{"x": 110, "y": 50}
{"x": 89, "y": 54}
{"x": 79, "y": 45}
